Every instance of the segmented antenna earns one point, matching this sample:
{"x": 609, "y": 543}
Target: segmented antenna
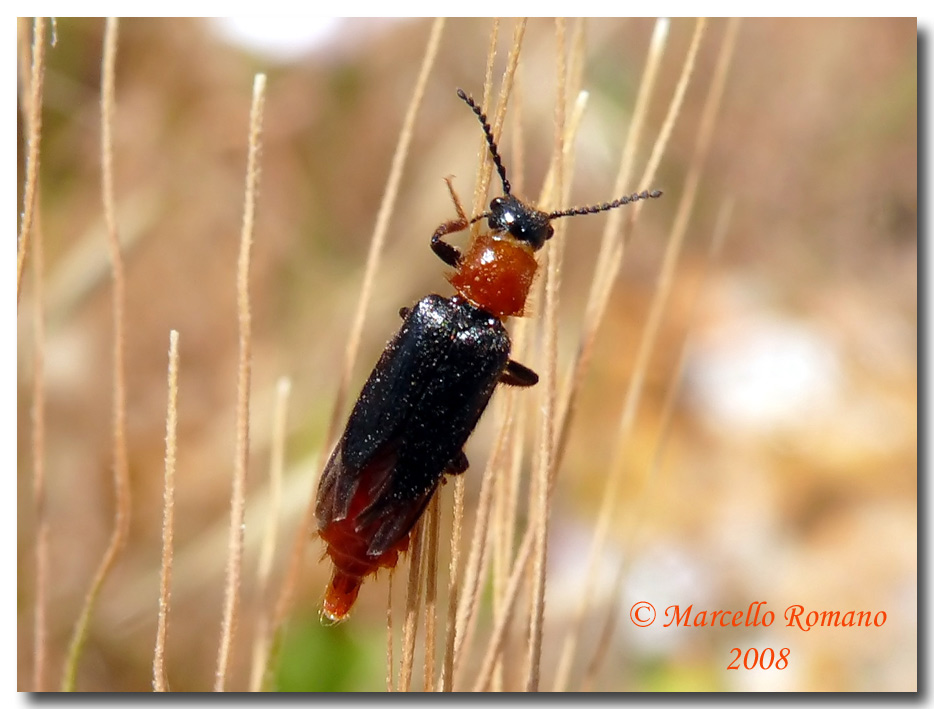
{"x": 606, "y": 206}
{"x": 500, "y": 168}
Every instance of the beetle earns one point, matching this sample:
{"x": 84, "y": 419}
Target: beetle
{"x": 429, "y": 388}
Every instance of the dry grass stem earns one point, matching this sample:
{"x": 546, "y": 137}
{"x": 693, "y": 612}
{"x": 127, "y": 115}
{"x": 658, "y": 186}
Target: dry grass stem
{"x": 549, "y": 194}
{"x": 672, "y": 251}
{"x": 542, "y": 480}
{"x": 412, "y": 604}
{"x": 577, "y": 58}
{"x": 479, "y": 559}
{"x": 609, "y": 626}
{"x": 431, "y": 590}
{"x": 598, "y": 299}
{"x": 499, "y": 532}
{"x": 387, "y": 206}
{"x": 708, "y": 124}
{"x": 467, "y": 627}
{"x": 651, "y": 328}
{"x": 389, "y": 631}
{"x": 85, "y": 267}
{"x": 159, "y": 680}
{"x": 37, "y": 409}
{"x": 506, "y": 598}
{"x": 721, "y": 228}
{"x": 496, "y": 120}
{"x": 507, "y": 522}
{"x": 501, "y": 620}
{"x": 242, "y": 454}
{"x": 612, "y": 261}
{"x": 517, "y": 142}
{"x": 454, "y": 614}
{"x": 506, "y": 497}
{"x": 509, "y": 75}
{"x": 267, "y": 551}
{"x": 471, "y": 588}
{"x": 502, "y": 533}
{"x": 490, "y": 61}
{"x": 605, "y": 274}
{"x": 481, "y": 541}
{"x": 479, "y": 538}
{"x": 33, "y": 108}
{"x": 482, "y": 180}
{"x": 120, "y": 467}
{"x": 457, "y": 525}
{"x": 40, "y": 621}
{"x": 674, "y": 110}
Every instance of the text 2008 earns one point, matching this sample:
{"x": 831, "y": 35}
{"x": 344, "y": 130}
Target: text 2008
{"x": 765, "y": 660}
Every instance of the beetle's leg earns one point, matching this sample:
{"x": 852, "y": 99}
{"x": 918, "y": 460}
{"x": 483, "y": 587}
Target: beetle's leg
{"x": 518, "y": 375}
{"x": 449, "y": 181}
{"x": 404, "y": 312}
{"x": 458, "y": 465}
{"x": 451, "y": 255}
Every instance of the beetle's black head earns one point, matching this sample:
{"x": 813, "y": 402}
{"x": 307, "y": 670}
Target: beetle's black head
{"x": 525, "y": 223}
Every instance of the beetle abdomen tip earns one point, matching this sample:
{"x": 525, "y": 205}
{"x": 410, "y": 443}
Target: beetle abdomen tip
{"x": 339, "y": 598}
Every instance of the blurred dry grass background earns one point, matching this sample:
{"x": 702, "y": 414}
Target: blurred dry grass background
{"x": 790, "y": 473}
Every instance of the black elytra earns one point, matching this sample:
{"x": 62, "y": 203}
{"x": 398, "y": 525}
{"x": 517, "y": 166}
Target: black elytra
{"x": 416, "y": 411}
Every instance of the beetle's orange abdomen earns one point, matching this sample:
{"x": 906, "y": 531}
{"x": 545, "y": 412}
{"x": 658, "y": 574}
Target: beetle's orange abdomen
{"x": 348, "y": 548}
{"x": 496, "y": 274}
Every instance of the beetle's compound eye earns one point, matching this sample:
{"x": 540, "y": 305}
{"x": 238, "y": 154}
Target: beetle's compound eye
{"x": 502, "y": 214}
